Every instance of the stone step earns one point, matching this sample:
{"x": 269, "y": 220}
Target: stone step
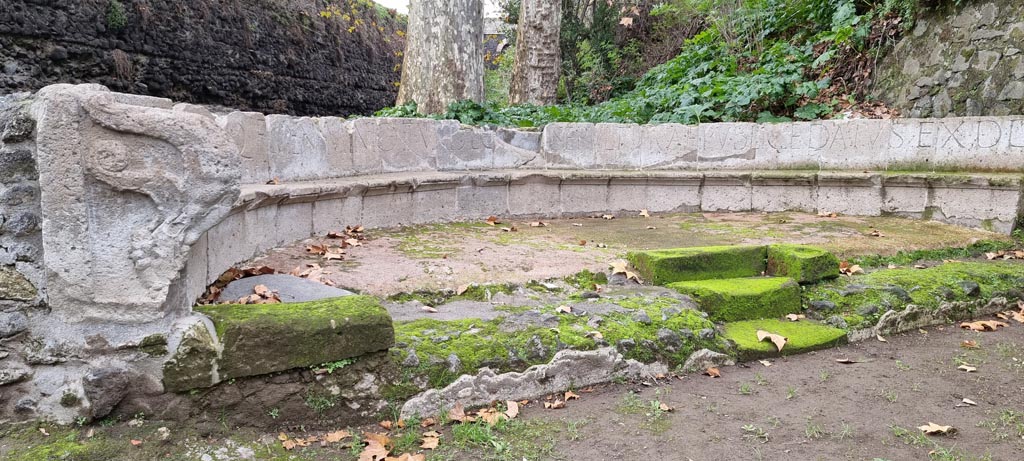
{"x": 803, "y": 263}
{"x": 802, "y": 336}
{"x": 727, "y": 300}
{"x": 662, "y": 267}
{"x": 257, "y": 339}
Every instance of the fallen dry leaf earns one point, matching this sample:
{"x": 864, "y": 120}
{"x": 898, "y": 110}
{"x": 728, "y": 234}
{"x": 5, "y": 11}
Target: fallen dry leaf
{"x": 512, "y": 409}
{"x": 490, "y": 416}
{"x": 765, "y": 363}
{"x": 984, "y": 325}
{"x": 374, "y": 451}
{"x": 881, "y": 339}
{"x": 713, "y": 372}
{"x": 458, "y": 413}
{"x": 846, "y": 361}
{"x": 664, "y": 407}
{"x": 778, "y": 340}
{"x": 576, "y": 224}
{"x": 493, "y": 220}
{"x": 430, "y": 440}
{"x": 934, "y": 429}
{"x": 136, "y": 442}
{"x": 408, "y": 457}
{"x": 795, "y": 317}
{"x": 429, "y": 310}
{"x": 387, "y": 425}
{"x": 969, "y": 344}
{"x": 42, "y": 430}
{"x": 336, "y": 436}
{"x": 556, "y": 405}
{"x": 596, "y": 335}
{"x": 427, "y": 422}
{"x": 607, "y": 216}
{"x": 570, "y": 395}
{"x": 967, "y": 368}
{"x": 538, "y": 224}
{"x": 564, "y": 309}
{"x": 645, "y": 214}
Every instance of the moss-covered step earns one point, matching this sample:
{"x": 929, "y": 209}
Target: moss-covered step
{"x": 662, "y": 267}
{"x": 803, "y": 336}
{"x": 803, "y": 263}
{"x": 258, "y": 339}
{"x": 728, "y": 300}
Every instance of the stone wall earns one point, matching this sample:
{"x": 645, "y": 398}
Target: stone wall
{"x": 958, "y": 62}
{"x": 275, "y": 56}
{"x": 117, "y": 210}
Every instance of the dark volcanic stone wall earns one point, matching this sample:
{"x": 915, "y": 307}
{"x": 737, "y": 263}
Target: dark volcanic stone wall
{"x": 279, "y": 56}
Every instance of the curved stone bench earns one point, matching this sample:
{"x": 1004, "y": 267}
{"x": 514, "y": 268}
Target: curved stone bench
{"x": 143, "y": 202}
{"x": 268, "y": 216}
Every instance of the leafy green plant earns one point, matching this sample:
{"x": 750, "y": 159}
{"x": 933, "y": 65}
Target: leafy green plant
{"x": 117, "y": 16}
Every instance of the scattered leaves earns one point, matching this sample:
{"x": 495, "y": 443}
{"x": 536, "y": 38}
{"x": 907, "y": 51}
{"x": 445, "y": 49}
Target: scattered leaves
{"x": 969, "y": 344}
{"x": 490, "y": 416}
{"x": 336, "y": 436}
{"x": 427, "y": 422}
{"x": 538, "y": 224}
{"x": 765, "y": 363}
{"x": 136, "y": 442}
{"x": 778, "y": 340}
{"x": 881, "y": 339}
{"x": 570, "y": 395}
{"x": 430, "y": 440}
{"x": 875, "y": 233}
{"x": 970, "y": 402}
{"x": 967, "y": 368}
{"x": 795, "y": 317}
{"x": 645, "y": 214}
{"x": 563, "y": 309}
{"x": 458, "y": 413}
{"x": 607, "y": 216}
{"x": 622, "y": 267}
{"x": 387, "y": 425}
{"x": 713, "y": 372}
{"x": 492, "y": 221}
{"x": 429, "y": 310}
{"x": 1004, "y": 254}
{"x": 512, "y": 409}
{"x": 555, "y": 405}
{"x": 846, "y": 361}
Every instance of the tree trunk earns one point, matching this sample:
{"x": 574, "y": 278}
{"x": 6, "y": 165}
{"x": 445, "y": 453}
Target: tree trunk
{"x": 538, "y": 56}
{"x": 444, "y": 57}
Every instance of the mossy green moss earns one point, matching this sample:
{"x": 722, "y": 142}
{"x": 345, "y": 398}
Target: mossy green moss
{"x": 730, "y": 300}
{"x": 803, "y": 263}
{"x": 699, "y": 263}
{"x": 479, "y": 343}
{"x": 896, "y": 288}
{"x": 802, "y": 337}
{"x": 264, "y": 338}
{"x": 154, "y": 345}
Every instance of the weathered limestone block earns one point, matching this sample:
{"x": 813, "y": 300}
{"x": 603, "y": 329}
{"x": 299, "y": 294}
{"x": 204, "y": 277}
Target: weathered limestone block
{"x": 855, "y": 194}
{"x": 803, "y": 263}
{"x": 259, "y": 339}
{"x": 986, "y": 143}
{"x": 783, "y": 191}
{"x": 905, "y": 195}
{"x": 726, "y": 191}
{"x": 249, "y": 131}
{"x": 699, "y": 263}
{"x": 669, "y": 146}
{"x": 569, "y": 145}
{"x": 729, "y": 300}
{"x": 728, "y": 145}
{"x": 516, "y": 148}
{"x": 127, "y": 186}
{"x": 468, "y": 148}
{"x": 679, "y": 193}
{"x": 618, "y": 145}
{"x": 392, "y": 145}
{"x": 296, "y": 149}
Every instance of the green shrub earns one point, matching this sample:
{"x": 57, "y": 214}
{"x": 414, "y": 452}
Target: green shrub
{"x": 117, "y": 16}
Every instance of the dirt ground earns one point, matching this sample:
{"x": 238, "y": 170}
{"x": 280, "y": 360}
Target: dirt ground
{"x": 805, "y": 407}
{"x": 446, "y": 256}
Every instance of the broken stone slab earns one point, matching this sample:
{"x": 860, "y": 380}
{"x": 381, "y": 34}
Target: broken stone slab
{"x": 289, "y": 288}
{"x": 264, "y": 338}
{"x": 704, "y": 359}
{"x": 135, "y": 184}
{"x": 803, "y": 263}
{"x": 803, "y": 336}
{"x": 568, "y": 368}
{"x": 194, "y": 363}
{"x": 104, "y": 388}
{"x": 730, "y": 300}
{"x": 662, "y": 267}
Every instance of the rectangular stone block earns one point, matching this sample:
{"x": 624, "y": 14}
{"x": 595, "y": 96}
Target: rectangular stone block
{"x": 534, "y": 194}
{"x": 398, "y": 144}
{"x": 483, "y": 196}
{"x": 855, "y": 194}
{"x": 856, "y": 144}
{"x": 266, "y": 338}
{"x": 730, "y": 300}
{"x": 435, "y": 201}
{"x": 905, "y": 195}
{"x": 581, "y": 195}
{"x": 232, "y": 245}
{"x": 978, "y": 143}
{"x": 792, "y": 145}
{"x": 784, "y": 191}
{"x": 467, "y": 148}
{"x": 627, "y": 194}
{"x": 337, "y": 213}
{"x": 389, "y": 206}
{"x": 569, "y": 145}
{"x": 728, "y": 145}
{"x": 296, "y": 148}
{"x": 249, "y": 131}
{"x": 661, "y": 267}
{"x": 669, "y": 146}
{"x": 195, "y": 272}
{"x": 726, "y": 191}
{"x": 675, "y": 192}
{"x": 337, "y": 135}
{"x": 516, "y": 148}
{"x": 618, "y": 146}
{"x": 974, "y": 202}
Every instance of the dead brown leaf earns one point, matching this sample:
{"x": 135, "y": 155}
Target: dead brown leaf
{"x": 430, "y": 440}
{"x": 386, "y": 425}
{"x": 969, "y": 344}
{"x": 556, "y": 405}
{"x": 490, "y": 416}
{"x": 374, "y": 451}
{"x": 935, "y": 429}
{"x": 713, "y": 372}
{"x": 427, "y": 422}
{"x": 795, "y": 317}
{"x": 778, "y": 340}
{"x": 511, "y": 409}
{"x": 967, "y": 368}
{"x": 984, "y": 325}
{"x": 645, "y": 214}
{"x": 458, "y": 413}
{"x": 570, "y": 395}
{"x": 336, "y": 436}
{"x": 492, "y": 221}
